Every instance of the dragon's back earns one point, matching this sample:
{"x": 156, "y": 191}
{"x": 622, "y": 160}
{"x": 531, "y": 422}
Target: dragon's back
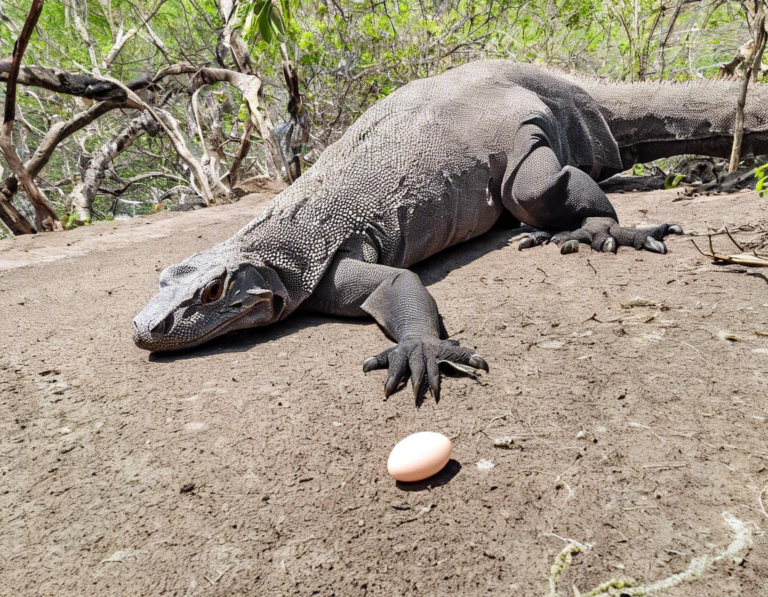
{"x": 412, "y": 174}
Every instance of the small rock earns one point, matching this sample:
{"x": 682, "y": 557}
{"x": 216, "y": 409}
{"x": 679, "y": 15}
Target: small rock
{"x": 505, "y": 442}
{"x": 723, "y": 335}
{"x": 118, "y": 556}
{"x": 581, "y": 434}
{"x": 552, "y": 344}
{"x": 484, "y": 465}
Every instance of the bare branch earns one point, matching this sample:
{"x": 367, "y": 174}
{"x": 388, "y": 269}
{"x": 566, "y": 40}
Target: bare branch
{"x": 84, "y": 192}
{"x": 60, "y": 81}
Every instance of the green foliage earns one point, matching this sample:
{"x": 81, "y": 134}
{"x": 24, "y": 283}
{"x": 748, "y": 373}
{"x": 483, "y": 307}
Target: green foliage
{"x": 761, "y": 174}
{"x": 638, "y": 170}
{"x": 673, "y": 180}
{"x": 73, "y": 222}
{"x": 265, "y": 18}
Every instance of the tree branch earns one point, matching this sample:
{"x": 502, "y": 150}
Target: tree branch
{"x": 84, "y": 192}
{"x": 61, "y": 81}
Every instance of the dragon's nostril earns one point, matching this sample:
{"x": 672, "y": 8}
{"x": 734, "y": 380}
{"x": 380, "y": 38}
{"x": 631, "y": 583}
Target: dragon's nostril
{"x": 164, "y": 326}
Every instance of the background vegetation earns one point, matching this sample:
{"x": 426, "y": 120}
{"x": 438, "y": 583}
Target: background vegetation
{"x": 318, "y": 65}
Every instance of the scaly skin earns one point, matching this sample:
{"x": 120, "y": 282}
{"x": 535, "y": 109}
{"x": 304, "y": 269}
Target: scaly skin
{"x": 434, "y": 164}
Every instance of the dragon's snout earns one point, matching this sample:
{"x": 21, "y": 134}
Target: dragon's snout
{"x": 150, "y": 335}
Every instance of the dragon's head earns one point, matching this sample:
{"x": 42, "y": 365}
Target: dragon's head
{"x": 205, "y": 296}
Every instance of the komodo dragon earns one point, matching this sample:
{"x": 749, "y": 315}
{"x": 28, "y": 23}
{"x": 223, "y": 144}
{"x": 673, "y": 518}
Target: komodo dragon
{"x": 432, "y": 165}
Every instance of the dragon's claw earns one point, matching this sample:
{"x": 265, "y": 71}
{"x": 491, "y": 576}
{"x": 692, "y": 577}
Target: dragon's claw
{"x": 654, "y": 246}
{"x": 419, "y": 359}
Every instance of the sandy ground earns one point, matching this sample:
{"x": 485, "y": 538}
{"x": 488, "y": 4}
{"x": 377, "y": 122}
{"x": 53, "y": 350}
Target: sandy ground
{"x": 257, "y": 465}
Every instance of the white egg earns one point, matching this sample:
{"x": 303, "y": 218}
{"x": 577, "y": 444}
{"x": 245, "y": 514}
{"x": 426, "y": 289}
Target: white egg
{"x": 419, "y": 456}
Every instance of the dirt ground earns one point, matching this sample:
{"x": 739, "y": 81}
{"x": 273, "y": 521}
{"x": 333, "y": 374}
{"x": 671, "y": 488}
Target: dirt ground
{"x": 257, "y": 464}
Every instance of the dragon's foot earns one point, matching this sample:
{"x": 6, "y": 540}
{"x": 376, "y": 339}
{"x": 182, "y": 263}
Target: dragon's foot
{"x": 604, "y": 234}
{"x": 419, "y": 359}
{"x": 534, "y": 238}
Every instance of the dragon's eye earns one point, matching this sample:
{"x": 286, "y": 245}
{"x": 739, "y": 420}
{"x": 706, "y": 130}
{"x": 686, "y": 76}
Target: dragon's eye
{"x": 212, "y": 293}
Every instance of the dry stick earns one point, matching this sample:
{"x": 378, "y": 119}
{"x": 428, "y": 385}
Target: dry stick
{"x": 749, "y": 65}
{"x": 45, "y": 216}
{"x": 757, "y": 63}
{"x": 245, "y": 146}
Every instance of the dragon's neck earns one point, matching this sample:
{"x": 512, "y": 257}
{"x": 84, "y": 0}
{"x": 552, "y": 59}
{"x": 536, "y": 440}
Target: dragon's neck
{"x": 657, "y": 120}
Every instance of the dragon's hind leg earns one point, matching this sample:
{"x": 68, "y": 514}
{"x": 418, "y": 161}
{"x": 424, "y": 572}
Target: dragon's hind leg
{"x": 567, "y": 207}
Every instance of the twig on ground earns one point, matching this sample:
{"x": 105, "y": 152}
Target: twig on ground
{"x": 753, "y": 259}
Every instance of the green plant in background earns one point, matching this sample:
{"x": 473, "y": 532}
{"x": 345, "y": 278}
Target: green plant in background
{"x": 73, "y": 222}
{"x": 761, "y": 174}
{"x": 265, "y": 18}
{"x": 673, "y": 180}
{"x": 638, "y": 170}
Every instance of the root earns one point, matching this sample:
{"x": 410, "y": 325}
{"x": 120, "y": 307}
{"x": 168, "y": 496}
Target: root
{"x": 742, "y": 539}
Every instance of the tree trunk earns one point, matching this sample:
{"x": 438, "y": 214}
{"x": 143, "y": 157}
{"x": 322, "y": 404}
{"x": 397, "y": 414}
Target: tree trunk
{"x": 749, "y": 65}
{"x": 84, "y": 193}
{"x": 299, "y": 133}
{"x": 13, "y": 220}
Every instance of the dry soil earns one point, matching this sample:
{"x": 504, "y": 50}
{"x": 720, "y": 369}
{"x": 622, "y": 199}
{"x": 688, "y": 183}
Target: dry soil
{"x": 257, "y": 464}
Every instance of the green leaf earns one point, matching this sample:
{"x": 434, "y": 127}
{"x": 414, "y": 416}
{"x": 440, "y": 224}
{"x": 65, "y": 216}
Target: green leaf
{"x": 276, "y": 23}
{"x": 263, "y": 19}
{"x": 638, "y": 170}
{"x": 761, "y": 189}
{"x": 673, "y": 180}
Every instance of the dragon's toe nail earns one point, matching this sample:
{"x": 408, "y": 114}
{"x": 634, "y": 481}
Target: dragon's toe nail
{"x": 478, "y": 362}
{"x": 675, "y": 229}
{"x": 569, "y": 246}
{"x": 654, "y": 246}
{"x": 609, "y": 246}
{"x": 370, "y": 364}
{"x": 525, "y": 243}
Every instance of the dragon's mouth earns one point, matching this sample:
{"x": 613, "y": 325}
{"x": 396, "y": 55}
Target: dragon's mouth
{"x": 221, "y": 328}
{"x": 165, "y": 344}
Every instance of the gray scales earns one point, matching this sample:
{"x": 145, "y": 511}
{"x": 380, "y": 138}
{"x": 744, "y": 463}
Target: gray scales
{"x": 435, "y": 164}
